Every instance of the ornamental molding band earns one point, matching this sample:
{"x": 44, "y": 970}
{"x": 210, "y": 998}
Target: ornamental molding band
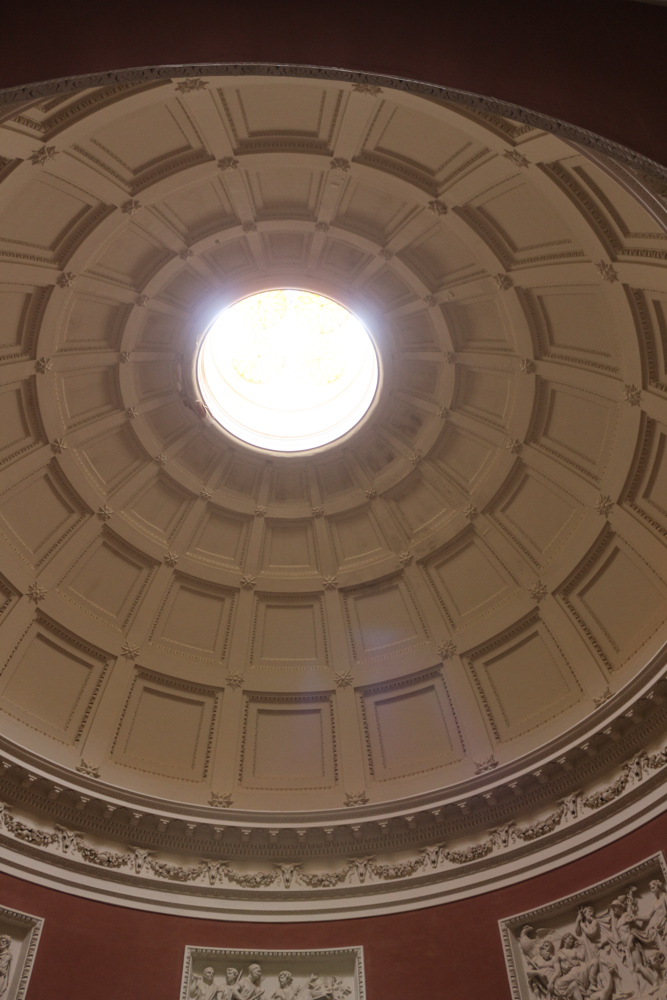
{"x": 109, "y": 84}
{"x": 607, "y": 941}
{"x": 210, "y": 973}
{"x": 249, "y": 684}
{"x": 19, "y": 938}
{"x": 417, "y": 876}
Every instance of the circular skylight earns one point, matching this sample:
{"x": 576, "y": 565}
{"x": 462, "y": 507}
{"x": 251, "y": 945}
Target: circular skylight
{"x": 287, "y": 370}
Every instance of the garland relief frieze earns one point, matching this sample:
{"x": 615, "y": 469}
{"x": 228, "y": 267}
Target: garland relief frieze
{"x": 441, "y": 859}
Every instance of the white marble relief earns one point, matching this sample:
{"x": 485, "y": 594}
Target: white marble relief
{"x": 607, "y": 942}
{"x": 19, "y": 937}
{"x": 223, "y": 974}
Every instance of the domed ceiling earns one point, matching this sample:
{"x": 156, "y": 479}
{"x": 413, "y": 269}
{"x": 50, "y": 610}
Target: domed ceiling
{"x": 434, "y": 628}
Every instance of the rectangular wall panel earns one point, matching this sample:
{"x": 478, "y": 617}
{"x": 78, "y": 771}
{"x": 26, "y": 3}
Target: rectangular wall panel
{"x": 166, "y": 727}
{"x": 288, "y": 743}
{"x": 39, "y": 513}
{"x": 195, "y": 619}
{"x": 468, "y": 579}
{"x": 522, "y": 680}
{"x": 109, "y": 579}
{"x": 289, "y": 632}
{"x": 409, "y": 726}
{"x": 382, "y": 620}
{"x": 51, "y": 682}
{"x": 617, "y": 599}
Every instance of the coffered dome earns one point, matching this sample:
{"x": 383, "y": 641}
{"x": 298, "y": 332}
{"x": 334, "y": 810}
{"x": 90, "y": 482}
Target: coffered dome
{"x": 450, "y": 616}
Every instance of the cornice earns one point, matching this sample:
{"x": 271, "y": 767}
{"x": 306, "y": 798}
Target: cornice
{"x": 293, "y": 867}
{"x": 579, "y": 823}
{"x": 12, "y": 97}
{"x": 626, "y": 722}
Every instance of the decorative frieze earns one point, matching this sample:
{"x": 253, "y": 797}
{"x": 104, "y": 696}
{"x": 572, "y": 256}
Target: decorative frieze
{"x": 285, "y": 876}
{"x": 224, "y": 974}
{"x": 19, "y": 938}
{"x": 607, "y": 941}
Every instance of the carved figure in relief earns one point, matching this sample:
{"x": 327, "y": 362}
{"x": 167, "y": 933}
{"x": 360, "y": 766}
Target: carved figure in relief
{"x": 571, "y": 970}
{"x": 247, "y": 987}
{"x": 541, "y": 971}
{"x": 627, "y": 932}
{"x": 204, "y": 987}
{"x": 538, "y": 949}
{"x": 529, "y": 939}
{"x": 590, "y": 929}
{"x": 613, "y": 951}
{"x": 656, "y": 924}
{"x": 5, "y": 963}
{"x": 287, "y": 990}
{"x": 657, "y": 964}
{"x": 326, "y": 988}
{"x": 603, "y": 975}
{"x": 226, "y": 992}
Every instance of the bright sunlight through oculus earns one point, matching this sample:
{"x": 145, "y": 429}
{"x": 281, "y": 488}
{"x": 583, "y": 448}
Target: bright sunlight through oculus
{"x": 287, "y": 370}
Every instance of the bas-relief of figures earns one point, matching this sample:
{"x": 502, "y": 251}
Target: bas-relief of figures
{"x": 5, "y": 963}
{"x": 19, "y": 939}
{"x": 616, "y": 953}
{"x": 203, "y": 987}
{"x": 250, "y": 986}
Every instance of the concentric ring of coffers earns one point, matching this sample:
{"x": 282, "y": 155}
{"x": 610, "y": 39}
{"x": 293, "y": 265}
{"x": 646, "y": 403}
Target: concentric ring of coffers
{"x": 479, "y": 564}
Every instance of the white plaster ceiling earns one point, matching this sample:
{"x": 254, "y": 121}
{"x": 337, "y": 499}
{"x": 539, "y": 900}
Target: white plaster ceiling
{"x": 456, "y": 589}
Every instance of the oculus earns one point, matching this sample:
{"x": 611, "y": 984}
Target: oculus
{"x": 287, "y": 370}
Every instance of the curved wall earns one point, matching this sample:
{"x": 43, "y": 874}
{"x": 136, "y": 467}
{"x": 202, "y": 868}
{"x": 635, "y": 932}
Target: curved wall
{"x": 91, "y": 949}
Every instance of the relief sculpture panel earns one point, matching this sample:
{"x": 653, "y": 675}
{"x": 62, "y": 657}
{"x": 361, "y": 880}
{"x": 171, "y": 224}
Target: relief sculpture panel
{"x": 19, "y": 937}
{"x": 605, "y": 943}
{"x": 222, "y": 974}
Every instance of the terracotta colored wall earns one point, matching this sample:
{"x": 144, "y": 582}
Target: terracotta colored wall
{"x": 597, "y": 63}
{"x": 93, "y": 950}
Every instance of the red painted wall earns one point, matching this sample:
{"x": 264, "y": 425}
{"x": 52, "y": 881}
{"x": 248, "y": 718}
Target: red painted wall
{"x": 597, "y": 63}
{"x": 93, "y": 951}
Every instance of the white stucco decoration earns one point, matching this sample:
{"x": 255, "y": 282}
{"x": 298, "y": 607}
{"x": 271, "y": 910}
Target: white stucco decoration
{"x": 227, "y": 974}
{"x": 19, "y": 937}
{"x": 607, "y": 941}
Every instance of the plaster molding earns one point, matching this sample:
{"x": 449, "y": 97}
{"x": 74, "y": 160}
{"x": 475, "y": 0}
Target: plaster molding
{"x": 593, "y": 938}
{"x": 19, "y": 939}
{"x": 476, "y": 103}
{"x": 287, "y": 974}
{"x": 510, "y": 843}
